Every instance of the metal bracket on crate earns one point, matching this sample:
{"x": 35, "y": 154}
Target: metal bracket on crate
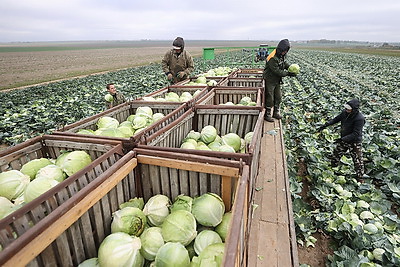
{"x": 241, "y": 166}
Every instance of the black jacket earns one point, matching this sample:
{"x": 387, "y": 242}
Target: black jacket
{"x": 276, "y": 67}
{"x": 351, "y": 123}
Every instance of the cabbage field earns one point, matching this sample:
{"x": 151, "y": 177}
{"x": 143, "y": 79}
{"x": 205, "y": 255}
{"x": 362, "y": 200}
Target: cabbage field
{"x": 362, "y": 220}
{"x": 35, "y": 110}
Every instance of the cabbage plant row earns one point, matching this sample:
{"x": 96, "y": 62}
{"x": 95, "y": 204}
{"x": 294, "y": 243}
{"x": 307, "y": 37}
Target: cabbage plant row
{"x": 362, "y": 219}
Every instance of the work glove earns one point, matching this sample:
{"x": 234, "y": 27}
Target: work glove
{"x": 291, "y": 74}
{"x": 181, "y": 74}
{"x": 169, "y": 76}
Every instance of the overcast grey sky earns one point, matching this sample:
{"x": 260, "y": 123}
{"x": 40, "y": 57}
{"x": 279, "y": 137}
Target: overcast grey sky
{"x": 72, "y": 20}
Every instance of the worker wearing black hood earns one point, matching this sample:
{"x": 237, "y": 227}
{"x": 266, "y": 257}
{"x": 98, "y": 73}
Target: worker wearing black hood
{"x": 177, "y": 63}
{"x": 275, "y": 69}
{"x": 351, "y": 125}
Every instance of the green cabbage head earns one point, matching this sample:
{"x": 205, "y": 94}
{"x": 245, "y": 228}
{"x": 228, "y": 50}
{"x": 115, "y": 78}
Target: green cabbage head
{"x": 129, "y": 220}
{"x": 32, "y": 167}
{"x": 120, "y": 249}
{"x": 13, "y": 184}
{"x": 72, "y": 162}
{"x": 173, "y": 255}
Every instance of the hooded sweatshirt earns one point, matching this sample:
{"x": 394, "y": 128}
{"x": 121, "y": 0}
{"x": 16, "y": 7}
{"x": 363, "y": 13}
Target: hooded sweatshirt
{"x": 351, "y": 123}
{"x": 276, "y": 67}
{"x": 174, "y": 63}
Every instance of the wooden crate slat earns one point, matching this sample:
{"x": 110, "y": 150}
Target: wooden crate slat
{"x": 75, "y": 242}
{"x": 184, "y": 182}
{"x": 143, "y": 171}
{"x": 89, "y": 242}
{"x": 96, "y": 216}
{"x": 165, "y": 181}
{"x": 174, "y": 182}
{"x": 194, "y": 184}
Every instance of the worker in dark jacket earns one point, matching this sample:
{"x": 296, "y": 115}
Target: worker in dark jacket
{"x": 118, "y": 98}
{"x": 351, "y": 125}
{"x": 275, "y": 69}
{"x": 177, "y": 63}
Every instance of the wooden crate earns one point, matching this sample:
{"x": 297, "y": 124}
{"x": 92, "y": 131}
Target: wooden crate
{"x": 247, "y": 73}
{"x": 32, "y": 217}
{"x": 226, "y": 119}
{"x": 121, "y": 113}
{"x": 179, "y": 89}
{"x": 243, "y": 82}
{"x": 76, "y": 229}
{"x": 221, "y": 95}
{"x": 218, "y": 79}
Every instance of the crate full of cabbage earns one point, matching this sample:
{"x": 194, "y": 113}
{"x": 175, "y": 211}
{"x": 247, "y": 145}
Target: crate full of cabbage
{"x": 126, "y": 122}
{"x": 39, "y": 175}
{"x": 240, "y": 96}
{"x": 201, "y": 80}
{"x": 243, "y": 82}
{"x": 247, "y": 73}
{"x": 176, "y": 94}
{"x": 158, "y": 208}
{"x": 223, "y": 131}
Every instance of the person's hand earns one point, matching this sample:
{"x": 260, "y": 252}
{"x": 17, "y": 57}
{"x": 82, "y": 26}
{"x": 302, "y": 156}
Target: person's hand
{"x": 181, "y": 74}
{"x": 169, "y": 76}
{"x": 291, "y": 74}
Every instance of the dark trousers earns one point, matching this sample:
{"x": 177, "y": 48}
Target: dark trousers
{"x": 355, "y": 153}
{"x": 273, "y": 95}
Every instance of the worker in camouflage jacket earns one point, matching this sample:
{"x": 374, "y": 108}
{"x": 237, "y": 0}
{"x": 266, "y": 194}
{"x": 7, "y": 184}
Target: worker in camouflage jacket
{"x": 118, "y": 98}
{"x": 275, "y": 68}
{"x": 351, "y": 126}
{"x": 177, "y": 63}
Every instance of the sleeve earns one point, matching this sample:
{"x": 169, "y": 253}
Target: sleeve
{"x": 274, "y": 67}
{"x": 357, "y": 132}
{"x": 190, "y": 64}
{"x": 165, "y": 63}
{"x": 335, "y": 120}
{"x": 123, "y": 99}
{"x": 287, "y": 65}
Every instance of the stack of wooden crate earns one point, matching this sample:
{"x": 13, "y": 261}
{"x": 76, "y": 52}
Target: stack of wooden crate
{"x": 66, "y": 225}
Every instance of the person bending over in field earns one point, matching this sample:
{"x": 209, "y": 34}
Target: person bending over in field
{"x": 351, "y": 126}
{"x": 275, "y": 69}
{"x": 117, "y": 97}
{"x": 177, "y": 63}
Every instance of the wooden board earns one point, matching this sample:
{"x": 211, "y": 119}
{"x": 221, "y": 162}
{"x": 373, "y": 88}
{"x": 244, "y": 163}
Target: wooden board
{"x": 270, "y": 238}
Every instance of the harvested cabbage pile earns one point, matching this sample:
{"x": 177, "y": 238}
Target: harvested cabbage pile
{"x": 37, "y": 176}
{"x": 244, "y": 101}
{"x": 111, "y": 127}
{"x": 202, "y": 81}
{"x": 188, "y": 232}
{"x": 173, "y": 97}
{"x": 208, "y": 139}
{"x": 219, "y": 72}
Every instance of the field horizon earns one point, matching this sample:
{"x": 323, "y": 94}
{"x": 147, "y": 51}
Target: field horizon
{"x": 25, "y": 64}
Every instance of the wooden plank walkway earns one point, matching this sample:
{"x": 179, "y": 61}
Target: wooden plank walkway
{"x": 272, "y": 239}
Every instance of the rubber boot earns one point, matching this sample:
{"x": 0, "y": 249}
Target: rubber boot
{"x": 267, "y": 115}
{"x": 276, "y": 114}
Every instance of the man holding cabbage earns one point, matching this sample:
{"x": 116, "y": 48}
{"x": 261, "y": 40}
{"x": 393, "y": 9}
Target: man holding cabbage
{"x": 177, "y": 63}
{"x": 113, "y": 98}
{"x": 275, "y": 69}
